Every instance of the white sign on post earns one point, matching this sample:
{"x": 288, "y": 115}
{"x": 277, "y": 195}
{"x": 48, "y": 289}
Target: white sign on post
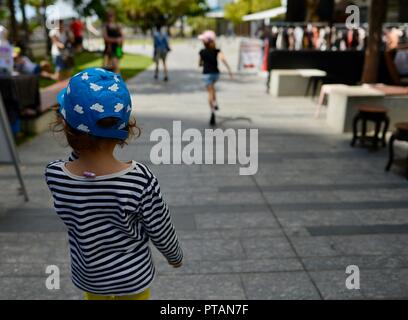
{"x": 8, "y": 150}
{"x": 250, "y": 55}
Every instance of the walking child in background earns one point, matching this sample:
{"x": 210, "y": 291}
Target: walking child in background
{"x": 161, "y": 49}
{"x": 111, "y": 208}
{"x": 209, "y": 61}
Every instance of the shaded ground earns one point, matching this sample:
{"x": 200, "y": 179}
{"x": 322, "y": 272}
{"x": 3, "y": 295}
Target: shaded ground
{"x": 289, "y": 232}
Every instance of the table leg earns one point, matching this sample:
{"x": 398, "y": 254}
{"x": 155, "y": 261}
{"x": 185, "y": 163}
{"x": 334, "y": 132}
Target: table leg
{"x": 391, "y": 153}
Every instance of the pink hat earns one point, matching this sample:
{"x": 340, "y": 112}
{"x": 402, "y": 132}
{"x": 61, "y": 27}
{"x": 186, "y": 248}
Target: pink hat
{"x": 207, "y": 36}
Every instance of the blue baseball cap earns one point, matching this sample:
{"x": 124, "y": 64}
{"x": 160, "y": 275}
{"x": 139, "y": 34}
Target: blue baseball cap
{"x": 92, "y": 95}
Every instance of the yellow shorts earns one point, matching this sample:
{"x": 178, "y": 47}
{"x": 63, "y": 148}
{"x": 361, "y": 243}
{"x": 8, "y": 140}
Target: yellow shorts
{"x": 145, "y": 295}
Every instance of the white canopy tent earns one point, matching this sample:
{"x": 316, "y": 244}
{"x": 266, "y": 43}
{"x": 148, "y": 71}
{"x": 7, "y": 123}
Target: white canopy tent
{"x": 264, "y": 15}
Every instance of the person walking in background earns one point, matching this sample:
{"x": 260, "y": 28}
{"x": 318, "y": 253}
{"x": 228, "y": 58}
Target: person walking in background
{"x": 111, "y": 209}
{"x": 77, "y": 29}
{"x": 161, "y": 49}
{"x": 61, "y": 51}
{"x": 113, "y": 37}
{"x": 209, "y": 61}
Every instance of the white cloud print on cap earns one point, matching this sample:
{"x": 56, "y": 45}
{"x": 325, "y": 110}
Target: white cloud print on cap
{"x": 95, "y": 94}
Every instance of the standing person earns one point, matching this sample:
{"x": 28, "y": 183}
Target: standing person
{"x": 161, "y": 49}
{"x": 61, "y": 51}
{"x": 209, "y": 61}
{"x": 110, "y": 208}
{"x": 113, "y": 37}
{"x": 77, "y": 29}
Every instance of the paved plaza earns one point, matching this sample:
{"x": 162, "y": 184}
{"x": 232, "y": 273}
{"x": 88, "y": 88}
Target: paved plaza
{"x": 315, "y": 206}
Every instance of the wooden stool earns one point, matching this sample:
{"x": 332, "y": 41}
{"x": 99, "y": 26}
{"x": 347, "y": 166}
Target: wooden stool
{"x": 400, "y": 134}
{"x": 378, "y": 115}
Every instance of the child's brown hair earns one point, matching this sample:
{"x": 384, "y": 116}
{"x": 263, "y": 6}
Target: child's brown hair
{"x": 78, "y": 140}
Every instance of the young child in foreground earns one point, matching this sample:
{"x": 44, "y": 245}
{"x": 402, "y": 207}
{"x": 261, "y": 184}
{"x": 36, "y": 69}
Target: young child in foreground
{"x": 111, "y": 208}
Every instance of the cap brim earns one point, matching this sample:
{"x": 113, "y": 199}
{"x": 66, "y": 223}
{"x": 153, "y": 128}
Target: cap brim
{"x": 61, "y": 96}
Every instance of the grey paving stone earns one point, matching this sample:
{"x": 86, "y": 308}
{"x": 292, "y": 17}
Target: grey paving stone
{"x": 183, "y": 221}
{"x": 12, "y": 223}
{"x": 219, "y": 208}
{"x": 267, "y": 247}
{"x": 307, "y": 218}
{"x": 372, "y": 244}
{"x": 366, "y": 262}
{"x": 30, "y": 269}
{"x": 358, "y": 230}
{"x": 230, "y": 266}
{"x": 226, "y": 234}
{"x": 235, "y": 220}
{"x": 193, "y": 287}
{"x": 332, "y": 285}
{"x": 215, "y": 249}
{"x": 384, "y": 283}
{"x": 390, "y": 216}
{"x": 315, "y": 246}
{"x": 279, "y": 286}
{"x": 33, "y": 288}
{"x": 369, "y": 205}
{"x": 279, "y": 199}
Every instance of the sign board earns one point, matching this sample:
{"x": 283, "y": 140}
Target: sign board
{"x": 8, "y": 150}
{"x": 250, "y": 55}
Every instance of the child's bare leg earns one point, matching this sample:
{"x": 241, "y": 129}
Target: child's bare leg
{"x": 211, "y": 96}
{"x": 214, "y": 101}
{"x": 115, "y": 65}
{"x": 165, "y": 69}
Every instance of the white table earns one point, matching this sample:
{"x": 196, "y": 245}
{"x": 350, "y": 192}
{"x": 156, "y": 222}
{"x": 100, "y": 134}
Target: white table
{"x": 288, "y": 82}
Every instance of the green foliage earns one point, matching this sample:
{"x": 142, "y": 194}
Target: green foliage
{"x": 236, "y": 10}
{"x": 148, "y": 13}
{"x": 200, "y": 24}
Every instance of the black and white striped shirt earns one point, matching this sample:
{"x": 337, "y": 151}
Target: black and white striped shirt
{"x": 110, "y": 220}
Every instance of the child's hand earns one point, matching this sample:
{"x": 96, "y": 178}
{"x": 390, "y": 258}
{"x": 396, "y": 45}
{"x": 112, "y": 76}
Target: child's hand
{"x": 177, "y": 265}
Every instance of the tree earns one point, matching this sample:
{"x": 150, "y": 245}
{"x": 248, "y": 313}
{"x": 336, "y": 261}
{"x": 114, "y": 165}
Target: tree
{"x": 41, "y": 7}
{"x": 13, "y": 22}
{"x": 24, "y": 23}
{"x": 148, "y": 13}
{"x": 235, "y": 11}
{"x": 378, "y": 13}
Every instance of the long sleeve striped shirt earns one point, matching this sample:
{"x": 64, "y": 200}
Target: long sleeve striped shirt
{"x": 110, "y": 220}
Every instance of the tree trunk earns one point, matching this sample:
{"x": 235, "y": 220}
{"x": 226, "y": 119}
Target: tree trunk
{"x": 25, "y": 26}
{"x": 378, "y": 11}
{"x": 13, "y": 22}
{"x": 44, "y": 22}
{"x": 403, "y": 11}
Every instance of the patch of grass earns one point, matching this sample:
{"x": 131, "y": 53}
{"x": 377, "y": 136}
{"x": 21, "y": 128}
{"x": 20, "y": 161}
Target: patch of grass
{"x": 131, "y": 65}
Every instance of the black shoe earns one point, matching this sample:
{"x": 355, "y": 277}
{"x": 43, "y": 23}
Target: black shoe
{"x": 156, "y": 77}
{"x": 166, "y": 79}
{"x": 212, "y": 120}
